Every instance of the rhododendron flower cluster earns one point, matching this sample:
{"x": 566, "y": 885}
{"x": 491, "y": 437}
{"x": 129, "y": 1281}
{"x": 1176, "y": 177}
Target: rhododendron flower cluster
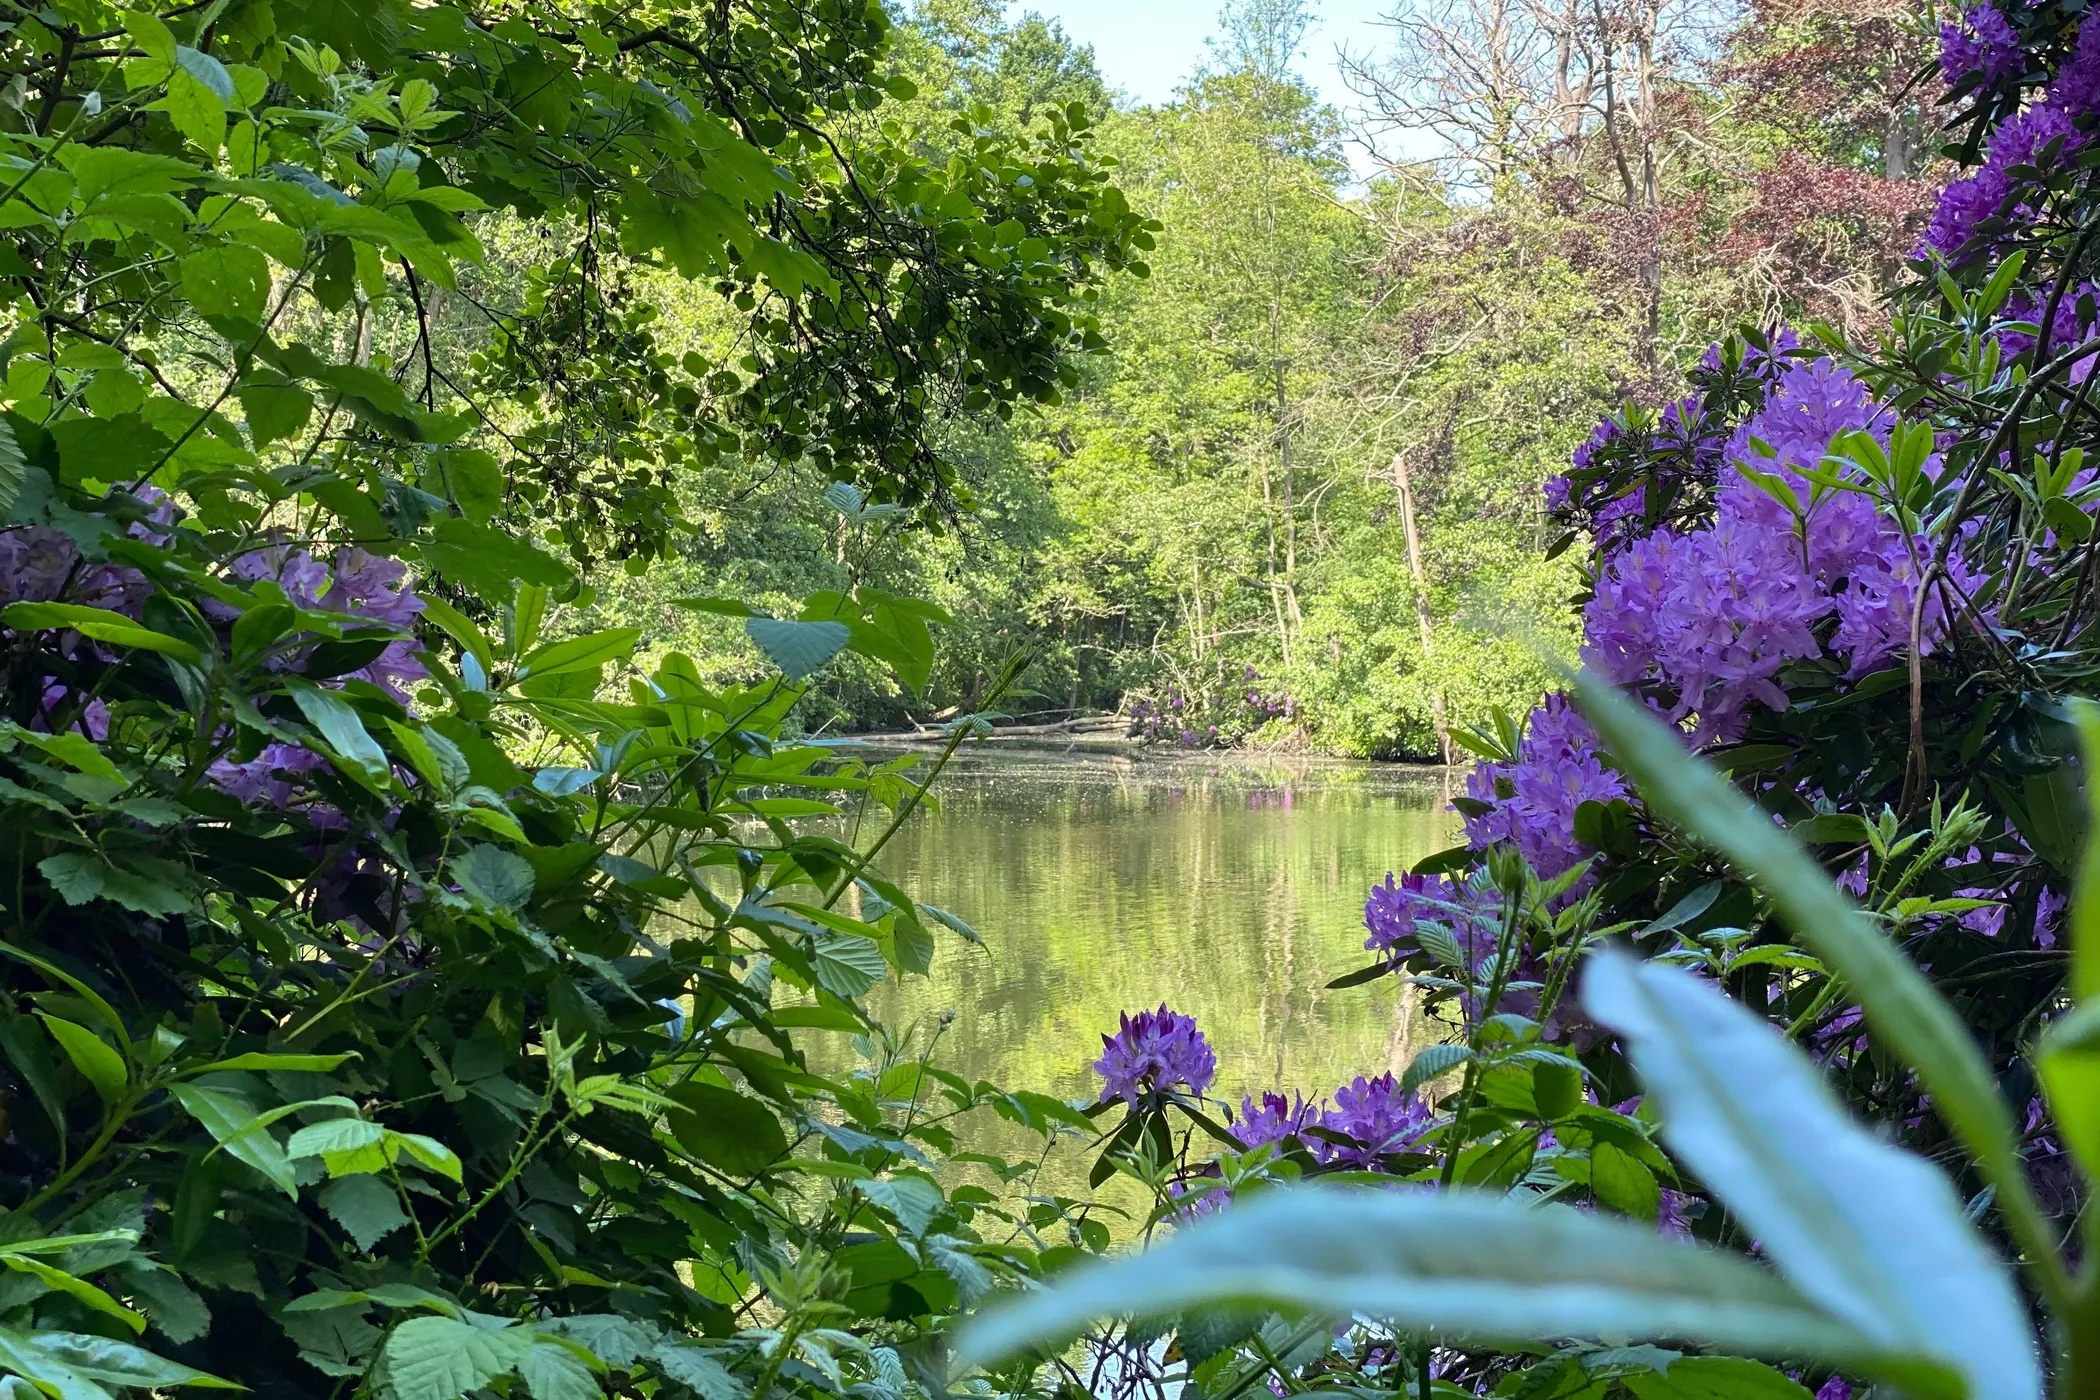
{"x": 1530, "y": 801}
{"x": 1376, "y": 1117}
{"x": 1154, "y": 1052}
{"x": 1984, "y": 44}
{"x": 1714, "y": 615}
{"x": 1398, "y": 908}
{"x": 1988, "y": 46}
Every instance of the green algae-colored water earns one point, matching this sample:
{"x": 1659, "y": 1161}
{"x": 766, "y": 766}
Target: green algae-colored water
{"x": 1231, "y": 888}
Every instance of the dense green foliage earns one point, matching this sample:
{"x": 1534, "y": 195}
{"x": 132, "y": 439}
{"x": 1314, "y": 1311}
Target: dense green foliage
{"x": 388, "y": 1007}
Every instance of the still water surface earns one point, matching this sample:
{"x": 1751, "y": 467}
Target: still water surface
{"x": 1230, "y": 888}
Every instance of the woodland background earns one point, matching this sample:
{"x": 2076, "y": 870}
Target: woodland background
{"x": 1211, "y": 532}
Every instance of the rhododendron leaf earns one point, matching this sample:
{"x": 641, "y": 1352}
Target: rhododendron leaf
{"x": 1902, "y": 1007}
{"x": 100, "y": 624}
{"x": 1874, "y": 1235}
{"x": 1460, "y": 1267}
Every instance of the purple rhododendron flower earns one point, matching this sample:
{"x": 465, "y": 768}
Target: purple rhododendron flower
{"x": 1983, "y": 43}
{"x": 1394, "y": 910}
{"x": 1378, "y": 1119}
{"x": 1152, "y": 1053}
{"x": 2022, "y": 139}
{"x": 369, "y": 587}
{"x": 1275, "y": 1119}
{"x": 1531, "y": 802}
{"x": 1715, "y": 614}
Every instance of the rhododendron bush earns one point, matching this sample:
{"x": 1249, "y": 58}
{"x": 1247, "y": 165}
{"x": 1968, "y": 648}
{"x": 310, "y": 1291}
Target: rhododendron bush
{"x": 1822, "y": 772}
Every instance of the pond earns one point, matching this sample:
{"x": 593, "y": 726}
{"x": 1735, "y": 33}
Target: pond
{"x": 1229, "y": 887}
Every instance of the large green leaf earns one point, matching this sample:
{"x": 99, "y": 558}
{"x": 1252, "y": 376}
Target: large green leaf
{"x": 13, "y": 470}
{"x": 726, "y": 1129}
{"x": 1873, "y": 1234}
{"x": 344, "y": 729}
{"x": 119, "y": 1363}
{"x": 798, "y": 648}
{"x": 1458, "y": 1266}
{"x": 1902, "y": 1007}
{"x": 99, "y": 623}
{"x": 442, "y": 1358}
{"x": 101, "y": 1066}
{"x": 237, "y": 1127}
{"x": 495, "y": 876}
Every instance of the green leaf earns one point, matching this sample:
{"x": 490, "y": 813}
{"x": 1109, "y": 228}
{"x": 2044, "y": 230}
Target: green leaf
{"x": 275, "y": 411}
{"x": 14, "y": 470}
{"x": 2068, "y": 1060}
{"x": 490, "y": 561}
{"x": 914, "y": 1200}
{"x": 63, "y": 1281}
{"x": 1713, "y": 1378}
{"x": 494, "y": 876}
{"x": 582, "y": 653}
{"x": 99, "y": 1065}
{"x": 236, "y": 1126}
{"x": 344, "y": 729}
{"x": 119, "y": 1363}
{"x": 195, "y": 104}
{"x": 270, "y": 1060}
{"x": 798, "y": 648}
{"x": 171, "y": 1304}
{"x": 846, "y": 965}
{"x": 427, "y": 1150}
{"x": 27, "y": 1052}
{"x": 1433, "y": 1062}
{"x": 700, "y": 1373}
{"x": 100, "y": 624}
{"x": 725, "y": 1129}
{"x": 1623, "y": 1182}
{"x": 617, "y": 1341}
{"x": 1874, "y": 1235}
{"x": 229, "y": 280}
{"x": 442, "y": 1358}
{"x": 348, "y": 1146}
{"x": 365, "y": 1206}
{"x": 2085, "y": 894}
{"x": 1459, "y": 1265}
{"x": 1901, "y": 1006}
{"x": 553, "y": 1371}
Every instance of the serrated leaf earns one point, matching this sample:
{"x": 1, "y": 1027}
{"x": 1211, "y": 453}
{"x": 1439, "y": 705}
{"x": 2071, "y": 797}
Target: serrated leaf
{"x": 845, "y": 965}
{"x": 552, "y": 1371}
{"x": 617, "y": 1341}
{"x": 169, "y": 1303}
{"x": 798, "y": 648}
{"x": 1433, "y": 1062}
{"x": 14, "y": 471}
{"x": 700, "y": 1373}
{"x": 495, "y": 876}
{"x": 365, "y": 1206}
{"x": 349, "y": 1146}
{"x": 441, "y": 1358}
{"x": 229, "y": 280}
{"x": 914, "y": 1200}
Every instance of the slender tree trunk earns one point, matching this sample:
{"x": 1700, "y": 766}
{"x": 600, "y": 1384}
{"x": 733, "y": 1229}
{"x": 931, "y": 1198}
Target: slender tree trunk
{"x": 1403, "y": 486}
{"x": 1290, "y": 504}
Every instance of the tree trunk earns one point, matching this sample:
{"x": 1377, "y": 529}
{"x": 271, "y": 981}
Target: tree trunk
{"x": 1403, "y": 486}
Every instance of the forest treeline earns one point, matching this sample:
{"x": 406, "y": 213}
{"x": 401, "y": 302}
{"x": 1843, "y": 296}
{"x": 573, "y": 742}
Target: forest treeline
{"x": 1298, "y": 496}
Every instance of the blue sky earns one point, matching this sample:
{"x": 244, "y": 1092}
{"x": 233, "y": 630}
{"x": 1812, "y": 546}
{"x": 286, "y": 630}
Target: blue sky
{"x": 1146, "y": 47}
